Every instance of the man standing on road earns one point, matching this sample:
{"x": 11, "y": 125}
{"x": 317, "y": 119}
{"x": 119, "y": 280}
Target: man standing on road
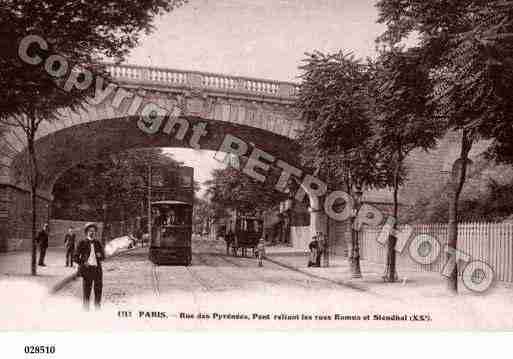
{"x": 42, "y": 240}
{"x": 89, "y": 256}
{"x": 69, "y": 245}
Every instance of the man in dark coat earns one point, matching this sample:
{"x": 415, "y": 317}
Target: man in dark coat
{"x": 42, "y": 241}
{"x": 69, "y": 244}
{"x": 89, "y": 256}
{"x": 314, "y": 258}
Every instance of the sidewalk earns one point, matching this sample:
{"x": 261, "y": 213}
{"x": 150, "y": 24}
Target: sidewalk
{"x": 285, "y": 250}
{"x": 411, "y": 283}
{"x": 16, "y": 266}
{"x": 55, "y": 275}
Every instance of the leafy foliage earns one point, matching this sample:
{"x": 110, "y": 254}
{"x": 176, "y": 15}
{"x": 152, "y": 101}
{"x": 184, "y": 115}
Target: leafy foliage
{"x": 205, "y": 211}
{"x": 335, "y": 142}
{"x": 495, "y": 205}
{"x": 83, "y": 32}
{"x": 231, "y": 188}
{"x": 119, "y": 181}
{"x": 402, "y": 120}
{"x": 468, "y": 46}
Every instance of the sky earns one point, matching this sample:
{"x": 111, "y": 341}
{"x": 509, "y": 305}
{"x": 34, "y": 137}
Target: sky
{"x": 254, "y": 38}
{"x": 257, "y": 38}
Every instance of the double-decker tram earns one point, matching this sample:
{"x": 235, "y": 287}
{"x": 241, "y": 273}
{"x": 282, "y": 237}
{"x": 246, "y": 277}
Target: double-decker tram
{"x": 170, "y": 242}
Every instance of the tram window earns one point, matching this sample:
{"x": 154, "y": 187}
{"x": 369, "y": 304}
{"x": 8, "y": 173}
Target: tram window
{"x": 159, "y": 219}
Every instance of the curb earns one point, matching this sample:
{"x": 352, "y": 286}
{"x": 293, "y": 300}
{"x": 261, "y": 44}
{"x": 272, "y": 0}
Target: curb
{"x": 297, "y": 253}
{"x": 312, "y": 275}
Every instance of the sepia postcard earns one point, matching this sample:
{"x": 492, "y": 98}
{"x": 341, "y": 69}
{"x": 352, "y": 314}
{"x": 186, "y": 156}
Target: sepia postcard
{"x": 255, "y": 165}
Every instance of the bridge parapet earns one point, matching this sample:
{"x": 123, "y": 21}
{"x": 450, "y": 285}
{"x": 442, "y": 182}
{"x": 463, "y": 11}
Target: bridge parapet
{"x": 240, "y": 101}
{"x": 141, "y": 75}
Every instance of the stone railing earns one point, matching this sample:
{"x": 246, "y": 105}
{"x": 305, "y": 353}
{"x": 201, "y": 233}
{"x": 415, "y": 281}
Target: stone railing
{"x": 202, "y": 80}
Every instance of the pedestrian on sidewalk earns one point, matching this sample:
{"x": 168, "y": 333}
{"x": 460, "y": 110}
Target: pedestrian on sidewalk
{"x": 314, "y": 257}
{"x": 89, "y": 256}
{"x": 69, "y": 245}
{"x": 42, "y": 241}
{"x": 261, "y": 251}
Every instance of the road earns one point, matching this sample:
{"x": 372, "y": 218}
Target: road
{"x": 217, "y": 284}
{"x": 164, "y": 297}
{"x": 131, "y": 275}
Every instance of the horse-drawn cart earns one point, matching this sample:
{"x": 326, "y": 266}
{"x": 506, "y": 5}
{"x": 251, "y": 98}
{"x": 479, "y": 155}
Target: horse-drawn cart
{"x": 242, "y": 232}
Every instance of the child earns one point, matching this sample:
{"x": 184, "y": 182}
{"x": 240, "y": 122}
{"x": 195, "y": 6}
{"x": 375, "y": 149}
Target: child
{"x": 261, "y": 251}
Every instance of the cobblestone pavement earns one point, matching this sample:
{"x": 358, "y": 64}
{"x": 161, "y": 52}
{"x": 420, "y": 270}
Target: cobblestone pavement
{"x": 163, "y": 297}
{"x": 132, "y": 275}
{"x": 16, "y": 266}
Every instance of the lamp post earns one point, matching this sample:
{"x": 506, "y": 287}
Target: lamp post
{"x": 354, "y": 257}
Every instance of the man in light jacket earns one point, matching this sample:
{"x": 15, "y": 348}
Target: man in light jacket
{"x": 89, "y": 256}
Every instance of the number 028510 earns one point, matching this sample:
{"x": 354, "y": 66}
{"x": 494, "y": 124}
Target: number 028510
{"x": 39, "y": 349}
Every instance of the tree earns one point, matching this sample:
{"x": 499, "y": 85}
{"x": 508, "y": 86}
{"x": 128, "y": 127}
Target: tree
{"x": 82, "y": 32}
{"x": 119, "y": 181}
{"x": 487, "y": 196}
{"x": 335, "y": 140}
{"x": 231, "y": 188}
{"x": 467, "y": 45}
{"x": 402, "y": 121}
{"x": 203, "y": 215}
{"x": 36, "y": 108}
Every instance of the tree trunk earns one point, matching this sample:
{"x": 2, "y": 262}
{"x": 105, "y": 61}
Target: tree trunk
{"x": 354, "y": 253}
{"x": 33, "y": 202}
{"x": 354, "y": 250}
{"x": 390, "y": 268}
{"x": 457, "y": 182}
{"x": 452, "y": 228}
{"x": 326, "y": 248}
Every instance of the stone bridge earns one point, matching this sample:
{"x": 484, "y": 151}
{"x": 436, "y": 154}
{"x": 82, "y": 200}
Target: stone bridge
{"x": 260, "y": 112}
{"x": 203, "y": 108}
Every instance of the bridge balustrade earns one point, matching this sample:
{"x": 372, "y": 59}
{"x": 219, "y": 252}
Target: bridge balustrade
{"x": 208, "y": 81}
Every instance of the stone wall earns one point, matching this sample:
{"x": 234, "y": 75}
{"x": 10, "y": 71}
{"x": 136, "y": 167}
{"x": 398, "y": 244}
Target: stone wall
{"x": 59, "y": 228}
{"x": 300, "y": 237}
{"x": 15, "y": 218}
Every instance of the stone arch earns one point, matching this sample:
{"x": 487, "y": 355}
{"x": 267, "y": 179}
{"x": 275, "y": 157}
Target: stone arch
{"x": 67, "y": 147}
{"x": 62, "y": 149}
